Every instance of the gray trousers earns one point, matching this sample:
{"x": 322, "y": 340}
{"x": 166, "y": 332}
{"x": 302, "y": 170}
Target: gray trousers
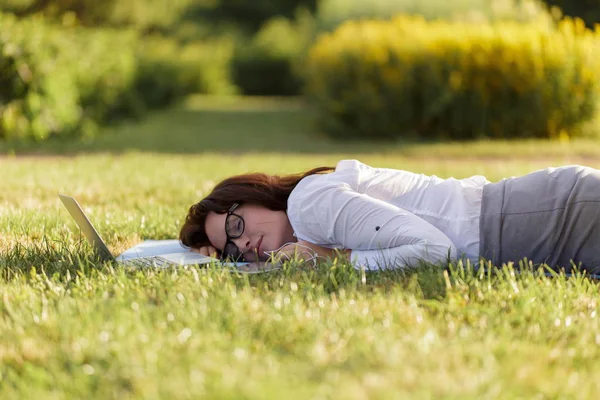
{"x": 550, "y": 216}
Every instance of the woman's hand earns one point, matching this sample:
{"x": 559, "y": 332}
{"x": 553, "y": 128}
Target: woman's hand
{"x": 308, "y": 251}
{"x": 209, "y": 251}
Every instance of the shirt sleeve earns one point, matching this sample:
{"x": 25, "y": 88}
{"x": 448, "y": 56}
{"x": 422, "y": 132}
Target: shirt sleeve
{"x": 380, "y": 235}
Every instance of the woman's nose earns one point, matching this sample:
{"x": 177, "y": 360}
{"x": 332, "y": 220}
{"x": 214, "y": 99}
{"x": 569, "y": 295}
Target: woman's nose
{"x": 243, "y": 243}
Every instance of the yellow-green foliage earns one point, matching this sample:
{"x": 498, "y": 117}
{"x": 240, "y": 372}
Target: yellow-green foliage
{"x": 60, "y": 81}
{"x": 168, "y": 70}
{"x": 64, "y": 80}
{"x": 444, "y": 79}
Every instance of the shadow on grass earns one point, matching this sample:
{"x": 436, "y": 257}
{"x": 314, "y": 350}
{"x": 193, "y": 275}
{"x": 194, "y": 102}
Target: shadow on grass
{"x": 209, "y": 125}
{"x": 238, "y": 125}
{"x": 59, "y": 260}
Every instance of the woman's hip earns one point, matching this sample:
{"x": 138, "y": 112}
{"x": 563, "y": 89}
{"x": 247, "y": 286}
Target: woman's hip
{"x": 550, "y": 216}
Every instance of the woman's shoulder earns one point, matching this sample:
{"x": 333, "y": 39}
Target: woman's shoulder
{"x": 347, "y": 164}
{"x": 313, "y": 186}
{"x": 311, "y": 202}
{"x": 351, "y": 165}
{"x": 345, "y": 172}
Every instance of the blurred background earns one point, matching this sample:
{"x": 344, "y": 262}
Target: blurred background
{"x": 378, "y": 69}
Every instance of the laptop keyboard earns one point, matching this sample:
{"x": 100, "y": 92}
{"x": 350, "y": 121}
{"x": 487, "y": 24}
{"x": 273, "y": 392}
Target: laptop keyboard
{"x": 146, "y": 262}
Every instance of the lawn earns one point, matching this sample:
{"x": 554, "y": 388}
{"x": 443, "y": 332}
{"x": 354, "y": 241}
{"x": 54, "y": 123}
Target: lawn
{"x": 73, "y": 327}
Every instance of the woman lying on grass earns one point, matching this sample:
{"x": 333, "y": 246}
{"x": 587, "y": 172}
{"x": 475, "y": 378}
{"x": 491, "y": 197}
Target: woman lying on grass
{"x": 386, "y": 218}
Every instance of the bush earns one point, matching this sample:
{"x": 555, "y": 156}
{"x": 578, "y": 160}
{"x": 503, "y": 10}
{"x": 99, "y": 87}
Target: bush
{"x": 169, "y": 70}
{"x": 268, "y": 65}
{"x": 376, "y": 79}
{"x": 250, "y": 15}
{"x": 48, "y": 88}
{"x": 143, "y": 15}
{"x": 587, "y": 10}
{"x": 332, "y": 13}
{"x": 66, "y": 81}
{"x": 104, "y": 66}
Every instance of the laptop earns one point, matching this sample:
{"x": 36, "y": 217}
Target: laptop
{"x": 154, "y": 253}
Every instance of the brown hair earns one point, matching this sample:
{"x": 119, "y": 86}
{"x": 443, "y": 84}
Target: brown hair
{"x": 270, "y": 191}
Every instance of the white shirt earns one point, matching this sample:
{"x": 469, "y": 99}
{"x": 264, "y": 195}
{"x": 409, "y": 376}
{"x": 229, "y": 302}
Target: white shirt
{"x": 388, "y": 218}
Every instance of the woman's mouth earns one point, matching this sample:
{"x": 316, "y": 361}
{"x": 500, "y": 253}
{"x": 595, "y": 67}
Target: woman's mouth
{"x": 258, "y": 245}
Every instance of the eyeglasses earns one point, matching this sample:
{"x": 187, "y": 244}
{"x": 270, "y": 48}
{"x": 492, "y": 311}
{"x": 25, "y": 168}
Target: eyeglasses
{"x": 234, "y": 228}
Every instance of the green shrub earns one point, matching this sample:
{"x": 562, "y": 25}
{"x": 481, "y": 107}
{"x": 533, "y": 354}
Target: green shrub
{"x": 251, "y": 15}
{"x": 49, "y": 88}
{"x": 66, "y": 81}
{"x": 144, "y": 15}
{"x": 161, "y": 15}
{"x": 17, "y": 6}
{"x": 269, "y": 64}
{"x": 169, "y": 70}
{"x": 257, "y": 71}
{"x": 36, "y": 97}
{"x": 104, "y": 65}
{"x": 376, "y": 79}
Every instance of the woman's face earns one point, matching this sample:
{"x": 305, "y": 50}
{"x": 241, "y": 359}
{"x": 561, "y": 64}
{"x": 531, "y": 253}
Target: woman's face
{"x": 261, "y": 230}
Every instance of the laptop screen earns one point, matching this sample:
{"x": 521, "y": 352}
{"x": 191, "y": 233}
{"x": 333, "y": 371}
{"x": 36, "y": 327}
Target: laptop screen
{"x": 86, "y": 226}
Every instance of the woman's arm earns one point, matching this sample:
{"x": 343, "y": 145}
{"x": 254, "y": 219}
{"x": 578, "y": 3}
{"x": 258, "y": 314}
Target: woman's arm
{"x": 379, "y": 234}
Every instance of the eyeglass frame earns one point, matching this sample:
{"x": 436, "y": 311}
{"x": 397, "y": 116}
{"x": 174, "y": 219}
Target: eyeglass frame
{"x": 230, "y": 212}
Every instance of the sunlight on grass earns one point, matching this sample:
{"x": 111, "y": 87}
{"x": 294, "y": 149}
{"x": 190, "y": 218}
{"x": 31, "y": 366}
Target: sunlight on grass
{"x": 75, "y": 327}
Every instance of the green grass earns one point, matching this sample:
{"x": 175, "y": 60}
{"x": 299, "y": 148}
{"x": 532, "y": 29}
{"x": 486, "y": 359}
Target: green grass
{"x": 73, "y": 327}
